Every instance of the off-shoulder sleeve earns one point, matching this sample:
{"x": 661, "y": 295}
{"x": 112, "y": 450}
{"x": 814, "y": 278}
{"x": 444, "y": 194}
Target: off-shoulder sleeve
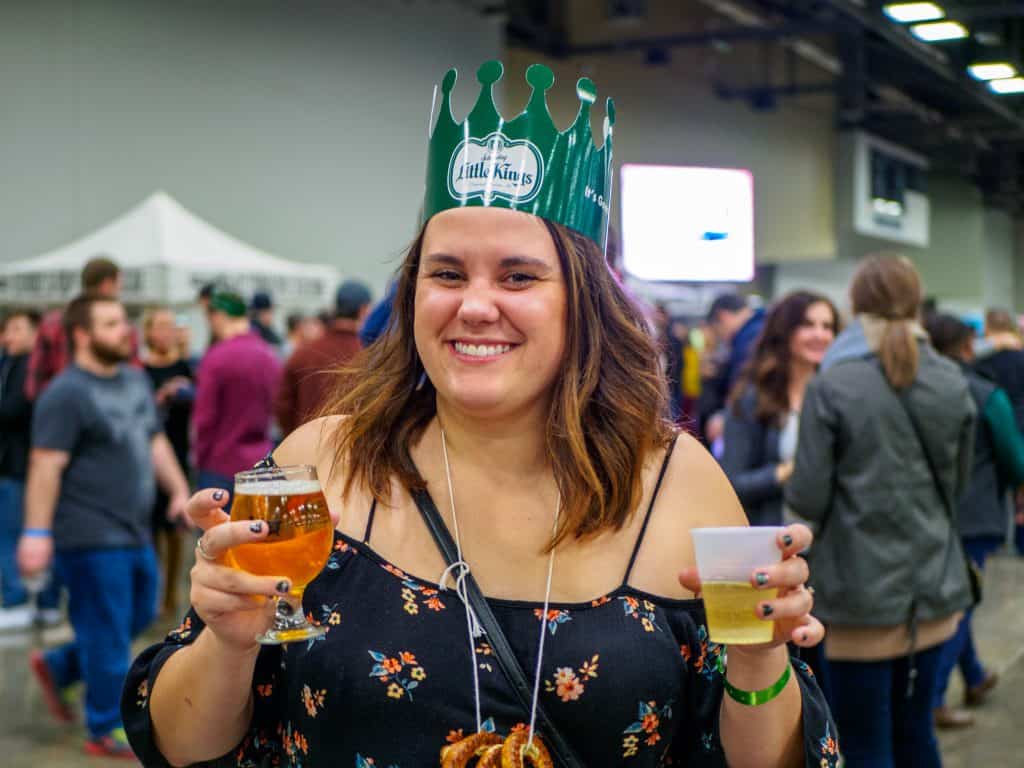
{"x": 261, "y": 744}
{"x": 698, "y": 743}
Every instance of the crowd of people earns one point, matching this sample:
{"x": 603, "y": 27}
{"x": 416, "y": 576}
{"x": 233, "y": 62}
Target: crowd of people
{"x": 104, "y": 430}
{"x": 895, "y": 435}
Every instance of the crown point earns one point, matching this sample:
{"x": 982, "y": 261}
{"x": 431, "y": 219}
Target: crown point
{"x": 490, "y": 72}
{"x": 449, "y": 81}
{"x": 610, "y": 111}
{"x": 540, "y": 77}
{"x": 586, "y": 91}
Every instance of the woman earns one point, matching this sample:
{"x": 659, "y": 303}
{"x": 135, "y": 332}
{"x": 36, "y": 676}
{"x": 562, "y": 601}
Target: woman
{"x": 171, "y": 377}
{"x": 763, "y": 417}
{"x": 514, "y": 372}
{"x": 889, "y": 575}
{"x": 982, "y": 518}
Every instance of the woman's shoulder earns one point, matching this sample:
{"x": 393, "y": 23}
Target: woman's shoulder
{"x": 312, "y": 443}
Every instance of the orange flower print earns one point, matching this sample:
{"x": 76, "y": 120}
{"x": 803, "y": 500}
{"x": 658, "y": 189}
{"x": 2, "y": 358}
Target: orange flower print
{"x": 183, "y": 631}
{"x": 649, "y": 719}
{"x": 414, "y": 594}
{"x": 143, "y": 694}
{"x": 265, "y": 690}
{"x": 554, "y": 619}
{"x": 313, "y": 700}
{"x": 400, "y": 673}
{"x": 568, "y": 683}
{"x": 600, "y": 601}
{"x": 644, "y": 613}
{"x": 434, "y": 604}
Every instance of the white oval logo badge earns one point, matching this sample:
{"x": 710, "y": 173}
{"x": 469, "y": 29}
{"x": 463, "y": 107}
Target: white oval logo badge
{"x": 496, "y": 167}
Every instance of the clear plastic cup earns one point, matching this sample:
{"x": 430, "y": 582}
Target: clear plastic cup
{"x": 726, "y": 559}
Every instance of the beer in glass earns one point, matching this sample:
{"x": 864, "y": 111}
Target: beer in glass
{"x": 299, "y": 539}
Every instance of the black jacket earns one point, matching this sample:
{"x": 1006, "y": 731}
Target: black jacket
{"x": 750, "y": 459}
{"x": 15, "y": 417}
{"x": 1006, "y": 369}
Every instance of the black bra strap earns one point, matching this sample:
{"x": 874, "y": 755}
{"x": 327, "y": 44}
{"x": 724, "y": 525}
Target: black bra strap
{"x": 647, "y": 517}
{"x": 369, "y": 523}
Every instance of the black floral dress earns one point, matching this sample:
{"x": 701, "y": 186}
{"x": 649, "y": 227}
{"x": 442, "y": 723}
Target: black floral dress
{"x": 629, "y": 678}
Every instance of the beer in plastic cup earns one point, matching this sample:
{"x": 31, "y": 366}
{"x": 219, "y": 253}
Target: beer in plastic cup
{"x": 726, "y": 559}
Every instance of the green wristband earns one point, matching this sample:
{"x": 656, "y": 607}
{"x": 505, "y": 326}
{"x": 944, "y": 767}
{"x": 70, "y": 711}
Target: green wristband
{"x": 754, "y": 698}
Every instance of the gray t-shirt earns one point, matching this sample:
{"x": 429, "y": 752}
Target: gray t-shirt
{"x": 107, "y": 425}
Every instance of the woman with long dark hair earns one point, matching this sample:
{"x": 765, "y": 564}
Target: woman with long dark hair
{"x": 763, "y": 416}
{"x": 884, "y": 451}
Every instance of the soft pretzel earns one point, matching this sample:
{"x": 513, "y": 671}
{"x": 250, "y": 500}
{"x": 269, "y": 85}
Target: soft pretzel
{"x": 491, "y": 757}
{"x": 459, "y": 754}
{"x": 516, "y": 754}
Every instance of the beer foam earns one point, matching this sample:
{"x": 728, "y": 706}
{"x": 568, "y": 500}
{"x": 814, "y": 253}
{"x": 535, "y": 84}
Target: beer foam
{"x": 277, "y": 487}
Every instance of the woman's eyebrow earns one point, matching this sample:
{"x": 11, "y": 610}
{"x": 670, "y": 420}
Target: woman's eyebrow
{"x": 523, "y": 261}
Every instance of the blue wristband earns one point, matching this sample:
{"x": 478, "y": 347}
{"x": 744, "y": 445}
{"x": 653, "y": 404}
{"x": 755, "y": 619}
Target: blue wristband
{"x": 37, "y": 533}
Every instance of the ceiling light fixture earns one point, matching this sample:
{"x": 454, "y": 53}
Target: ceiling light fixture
{"x": 906, "y": 13}
{"x": 938, "y": 31}
{"x": 996, "y": 70}
{"x": 1007, "y": 85}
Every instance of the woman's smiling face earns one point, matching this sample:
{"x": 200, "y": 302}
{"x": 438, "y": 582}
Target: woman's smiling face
{"x": 490, "y": 310}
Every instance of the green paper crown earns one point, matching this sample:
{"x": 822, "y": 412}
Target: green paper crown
{"x": 525, "y": 164}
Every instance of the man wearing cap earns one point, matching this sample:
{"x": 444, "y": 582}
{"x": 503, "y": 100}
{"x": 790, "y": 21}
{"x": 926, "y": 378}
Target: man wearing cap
{"x": 235, "y": 389}
{"x": 262, "y": 318}
{"x": 309, "y": 375}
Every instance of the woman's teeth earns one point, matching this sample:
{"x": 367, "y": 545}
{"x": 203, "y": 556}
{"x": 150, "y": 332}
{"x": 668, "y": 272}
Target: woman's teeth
{"x": 481, "y": 350}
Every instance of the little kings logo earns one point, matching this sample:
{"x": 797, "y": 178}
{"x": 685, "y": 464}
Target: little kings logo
{"x": 496, "y": 167}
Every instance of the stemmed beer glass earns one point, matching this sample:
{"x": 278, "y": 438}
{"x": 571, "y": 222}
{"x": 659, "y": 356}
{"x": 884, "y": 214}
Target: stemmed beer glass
{"x": 299, "y": 540}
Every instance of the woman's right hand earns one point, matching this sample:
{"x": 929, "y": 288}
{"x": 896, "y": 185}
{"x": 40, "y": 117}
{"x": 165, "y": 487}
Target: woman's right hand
{"x": 234, "y": 605}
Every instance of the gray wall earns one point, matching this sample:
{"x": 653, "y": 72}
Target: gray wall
{"x": 299, "y": 127}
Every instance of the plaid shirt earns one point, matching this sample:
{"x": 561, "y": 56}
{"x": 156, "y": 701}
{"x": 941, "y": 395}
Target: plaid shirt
{"x": 50, "y": 355}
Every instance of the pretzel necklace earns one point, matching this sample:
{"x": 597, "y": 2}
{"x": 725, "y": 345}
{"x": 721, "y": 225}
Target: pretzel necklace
{"x": 484, "y": 749}
{"x": 492, "y": 751}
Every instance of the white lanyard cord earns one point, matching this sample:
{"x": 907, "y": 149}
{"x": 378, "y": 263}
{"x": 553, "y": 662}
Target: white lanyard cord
{"x": 473, "y": 627}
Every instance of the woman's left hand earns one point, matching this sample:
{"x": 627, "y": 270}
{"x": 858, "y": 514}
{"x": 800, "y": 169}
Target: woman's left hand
{"x": 791, "y": 609}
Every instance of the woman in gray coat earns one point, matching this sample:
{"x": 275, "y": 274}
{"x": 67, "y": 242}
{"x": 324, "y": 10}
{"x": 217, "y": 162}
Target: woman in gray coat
{"x": 889, "y": 573}
{"x": 763, "y": 416}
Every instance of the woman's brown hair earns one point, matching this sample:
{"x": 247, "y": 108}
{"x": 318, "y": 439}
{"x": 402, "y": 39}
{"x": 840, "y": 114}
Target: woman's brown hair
{"x": 608, "y": 405}
{"x": 890, "y": 288}
{"x": 767, "y": 372}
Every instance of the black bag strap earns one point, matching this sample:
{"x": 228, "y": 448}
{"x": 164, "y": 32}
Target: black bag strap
{"x": 562, "y": 751}
{"x": 947, "y": 501}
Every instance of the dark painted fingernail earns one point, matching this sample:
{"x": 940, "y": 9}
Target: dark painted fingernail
{"x": 787, "y": 540}
{"x": 218, "y": 495}
{"x": 767, "y": 610}
{"x": 256, "y": 526}
{"x": 762, "y": 579}
{"x": 803, "y": 637}
{"x": 283, "y": 587}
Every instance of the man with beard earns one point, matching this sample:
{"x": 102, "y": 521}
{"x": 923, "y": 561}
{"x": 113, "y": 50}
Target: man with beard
{"x": 97, "y": 445}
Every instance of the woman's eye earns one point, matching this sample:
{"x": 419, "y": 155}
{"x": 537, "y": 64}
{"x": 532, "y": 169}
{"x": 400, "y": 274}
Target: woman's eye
{"x": 447, "y": 275}
{"x": 520, "y": 278}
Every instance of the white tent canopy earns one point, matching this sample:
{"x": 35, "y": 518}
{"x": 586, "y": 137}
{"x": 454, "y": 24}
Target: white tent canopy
{"x": 166, "y": 253}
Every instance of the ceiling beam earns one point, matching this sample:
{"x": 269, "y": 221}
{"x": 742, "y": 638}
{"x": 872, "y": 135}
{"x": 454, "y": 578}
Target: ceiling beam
{"x": 736, "y": 34}
{"x": 902, "y": 40}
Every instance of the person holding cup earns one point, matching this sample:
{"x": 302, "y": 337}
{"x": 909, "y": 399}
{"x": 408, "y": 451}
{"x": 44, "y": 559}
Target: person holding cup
{"x": 507, "y": 437}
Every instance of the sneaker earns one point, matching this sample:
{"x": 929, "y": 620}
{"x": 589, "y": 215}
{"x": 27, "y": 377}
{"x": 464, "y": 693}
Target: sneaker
{"x": 113, "y": 744}
{"x": 55, "y": 702}
{"x": 48, "y": 618}
{"x": 16, "y": 619}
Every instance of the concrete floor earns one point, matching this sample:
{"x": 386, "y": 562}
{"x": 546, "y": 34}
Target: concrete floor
{"x": 30, "y": 739}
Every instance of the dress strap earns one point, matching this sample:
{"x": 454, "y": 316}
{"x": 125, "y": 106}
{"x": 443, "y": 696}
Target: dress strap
{"x": 369, "y": 523}
{"x": 647, "y": 517}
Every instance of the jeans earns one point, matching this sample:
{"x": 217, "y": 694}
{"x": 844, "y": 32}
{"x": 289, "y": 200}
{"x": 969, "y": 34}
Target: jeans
{"x": 879, "y": 726}
{"x": 959, "y": 649}
{"x": 12, "y": 515}
{"x": 209, "y": 479}
{"x": 113, "y": 596}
